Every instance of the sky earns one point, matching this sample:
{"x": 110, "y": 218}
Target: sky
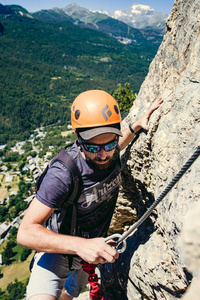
{"x": 108, "y": 5}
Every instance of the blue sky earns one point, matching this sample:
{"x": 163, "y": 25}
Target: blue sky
{"x": 109, "y": 5}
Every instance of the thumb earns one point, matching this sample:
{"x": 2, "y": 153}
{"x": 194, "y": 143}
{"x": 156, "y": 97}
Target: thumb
{"x": 146, "y": 127}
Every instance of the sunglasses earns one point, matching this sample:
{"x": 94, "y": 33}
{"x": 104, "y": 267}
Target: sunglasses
{"x": 94, "y": 148}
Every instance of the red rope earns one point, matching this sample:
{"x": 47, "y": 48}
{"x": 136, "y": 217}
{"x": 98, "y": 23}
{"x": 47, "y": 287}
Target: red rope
{"x": 95, "y": 293}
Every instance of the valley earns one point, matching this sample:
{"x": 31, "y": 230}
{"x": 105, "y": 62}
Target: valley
{"x": 46, "y": 64}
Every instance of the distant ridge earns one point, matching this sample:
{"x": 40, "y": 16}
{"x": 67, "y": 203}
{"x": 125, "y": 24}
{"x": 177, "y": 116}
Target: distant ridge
{"x": 120, "y": 30}
{"x": 140, "y": 17}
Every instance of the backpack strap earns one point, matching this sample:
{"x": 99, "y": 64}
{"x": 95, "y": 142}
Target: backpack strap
{"x": 67, "y": 160}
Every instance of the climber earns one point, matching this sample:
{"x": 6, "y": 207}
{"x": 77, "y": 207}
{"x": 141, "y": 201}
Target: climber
{"x": 96, "y": 119}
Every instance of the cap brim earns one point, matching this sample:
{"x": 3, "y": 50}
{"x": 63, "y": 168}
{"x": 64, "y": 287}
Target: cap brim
{"x": 90, "y": 133}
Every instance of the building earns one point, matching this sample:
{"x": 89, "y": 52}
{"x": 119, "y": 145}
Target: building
{"x": 4, "y": 228}
{"x": 8, "y": 178}
{"x": 4, "y": 168}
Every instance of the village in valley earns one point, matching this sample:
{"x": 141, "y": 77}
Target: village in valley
{"x": 17, "y": 178}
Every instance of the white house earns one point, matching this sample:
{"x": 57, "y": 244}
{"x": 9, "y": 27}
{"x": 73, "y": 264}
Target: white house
{"x": 8, "y": 178}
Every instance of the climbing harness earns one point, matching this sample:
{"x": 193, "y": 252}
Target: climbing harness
{"x": 118, "y": 238}
{"x": 95, "y": 292}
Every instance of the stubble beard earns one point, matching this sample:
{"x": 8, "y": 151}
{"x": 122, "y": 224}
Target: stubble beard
{"x": 95, "y": 163}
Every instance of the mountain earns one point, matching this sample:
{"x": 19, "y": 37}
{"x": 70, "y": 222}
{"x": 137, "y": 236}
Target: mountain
{"x": 13, "y": 9}
{"x": 46, "y": 64}
{"x": 93, "y": 20}
{"x": 119, "y": 29}
{"x": 141, "y": 17}
{"x": 5, "y": 9}
{"x": 52, "y": 15}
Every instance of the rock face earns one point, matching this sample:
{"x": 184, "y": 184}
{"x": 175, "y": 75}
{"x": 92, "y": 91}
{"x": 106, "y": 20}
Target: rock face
{"x": 189, "y": 245}
{"x": 152, "y": 267}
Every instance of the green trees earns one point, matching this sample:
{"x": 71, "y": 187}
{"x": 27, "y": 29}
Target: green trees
{"x": 25, "y": 253}
{"x": 7, "y": 254}
{"x": 124, "y": 96}
{"x": 44, "y": 68}
{"x": 15, "y": 290}
{"x": 27, "y": 146}
{"x": 16, "y": 203}
{"x": 3, "y": 213}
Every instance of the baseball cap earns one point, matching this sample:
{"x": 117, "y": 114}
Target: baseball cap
{"x": 89, "y": 133}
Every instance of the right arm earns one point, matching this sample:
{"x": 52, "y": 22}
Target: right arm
{"x": 139, "y": 124}
{"x": 32, "y": 234}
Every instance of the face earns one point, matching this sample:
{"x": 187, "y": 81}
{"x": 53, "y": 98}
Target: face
{"x": 102, "y": 159}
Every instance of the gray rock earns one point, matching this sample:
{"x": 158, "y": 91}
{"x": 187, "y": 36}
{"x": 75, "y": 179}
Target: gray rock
{"x": 151, "y": 267}
{"x": 189, "y": 245}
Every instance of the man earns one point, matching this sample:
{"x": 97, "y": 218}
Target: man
{"x": 96, "y": 119}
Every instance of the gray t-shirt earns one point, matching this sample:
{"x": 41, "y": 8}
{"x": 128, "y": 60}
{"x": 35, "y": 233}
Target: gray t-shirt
{"x": 98, "y": 198}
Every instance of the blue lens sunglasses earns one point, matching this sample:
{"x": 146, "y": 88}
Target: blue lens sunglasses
{"x": 94, "y": 148}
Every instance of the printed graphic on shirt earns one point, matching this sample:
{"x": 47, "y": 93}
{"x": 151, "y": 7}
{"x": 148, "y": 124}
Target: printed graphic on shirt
{"x": 100, "y": 192}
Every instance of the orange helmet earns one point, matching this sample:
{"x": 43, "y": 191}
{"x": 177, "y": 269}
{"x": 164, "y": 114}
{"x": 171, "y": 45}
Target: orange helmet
{"x": 95, "y": 108}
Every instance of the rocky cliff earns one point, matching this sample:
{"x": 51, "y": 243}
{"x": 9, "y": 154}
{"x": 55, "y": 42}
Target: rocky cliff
{"x": 156, "y": 264}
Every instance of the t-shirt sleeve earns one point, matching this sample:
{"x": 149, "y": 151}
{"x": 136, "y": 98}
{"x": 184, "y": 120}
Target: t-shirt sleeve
{"x": 56, "y": 186}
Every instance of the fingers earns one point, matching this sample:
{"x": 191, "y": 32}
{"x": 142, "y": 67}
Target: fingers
{"x": 109, "y": 260}
{"x": 107, "y": 254}
{"x": 110, "y": 254}
{"x": 96, "y": 251}
{"x": 155, "y": 105}
{"x": 103, "y": 260}
{"x": 160, "y": 101}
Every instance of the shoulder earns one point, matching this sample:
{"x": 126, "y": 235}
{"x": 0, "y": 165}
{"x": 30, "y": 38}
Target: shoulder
{"x": 55, "y": 186}
{"x": 62, "y": 162}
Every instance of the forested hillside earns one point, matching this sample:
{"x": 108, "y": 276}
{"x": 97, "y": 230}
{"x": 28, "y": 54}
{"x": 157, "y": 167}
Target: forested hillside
{"x": 44, "y": 65}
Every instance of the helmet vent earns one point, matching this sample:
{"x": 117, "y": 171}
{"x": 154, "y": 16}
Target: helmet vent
{"x": 116, "y": 109}
{"x": 77, "y": 114}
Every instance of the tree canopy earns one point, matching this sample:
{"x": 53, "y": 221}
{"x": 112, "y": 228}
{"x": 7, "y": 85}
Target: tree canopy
{"x": 124, "y": 96}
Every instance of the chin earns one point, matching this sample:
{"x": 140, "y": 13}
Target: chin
{"x": 98, "y": 165}
{"x": 102, "y": 166}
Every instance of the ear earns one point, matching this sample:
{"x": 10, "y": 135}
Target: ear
{"x": 78, "y": 142}
{"x": 79, "y": 145}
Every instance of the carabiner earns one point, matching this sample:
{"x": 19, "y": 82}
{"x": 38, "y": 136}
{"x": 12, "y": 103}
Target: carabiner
{"x": 116, "y": 244}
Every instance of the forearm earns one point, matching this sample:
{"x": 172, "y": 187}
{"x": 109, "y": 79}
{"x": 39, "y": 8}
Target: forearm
{"x": 128, "y": 135}
{"x": 32, "y": 234}
{"x": 40, "y": 238}
{"x": 142, "y": 123}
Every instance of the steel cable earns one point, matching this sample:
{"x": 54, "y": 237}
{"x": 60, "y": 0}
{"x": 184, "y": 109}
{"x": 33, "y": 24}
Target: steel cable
{"x": 162, "y": 195}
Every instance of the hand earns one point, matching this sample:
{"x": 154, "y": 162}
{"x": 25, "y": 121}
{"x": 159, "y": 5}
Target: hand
{"x": 95, "y": 251}
{"x": 156, "y": 104}
{"x": 143, "y": 121}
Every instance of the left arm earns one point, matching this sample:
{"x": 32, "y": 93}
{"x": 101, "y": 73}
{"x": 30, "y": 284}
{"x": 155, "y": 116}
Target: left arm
{"x": 139, "y": 124}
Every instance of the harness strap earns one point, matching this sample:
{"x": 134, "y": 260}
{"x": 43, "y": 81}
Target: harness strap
{"x": 67, "y": 160}
{"x": 95, "y": 293}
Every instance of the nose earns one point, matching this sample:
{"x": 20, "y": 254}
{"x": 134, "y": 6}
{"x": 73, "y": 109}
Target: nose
{"x": 102, "y": 154}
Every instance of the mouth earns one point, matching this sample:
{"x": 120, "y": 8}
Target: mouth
{"x": 102, "y": 164}
{"x": 98, "y": 162}
{"x": 102, "y": 161}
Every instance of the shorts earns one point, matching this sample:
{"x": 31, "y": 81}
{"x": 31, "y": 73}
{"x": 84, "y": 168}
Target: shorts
{"x": 50, "y": 273}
